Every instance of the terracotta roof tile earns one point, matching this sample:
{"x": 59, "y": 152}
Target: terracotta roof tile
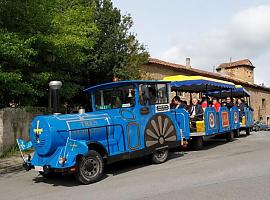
{"x": 245, "y": 62}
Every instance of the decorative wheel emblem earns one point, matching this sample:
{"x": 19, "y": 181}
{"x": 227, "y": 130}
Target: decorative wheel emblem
{"x": 235, "y": 117}
{"x": 211, "y": 120}
{"x": 159, "y": 130}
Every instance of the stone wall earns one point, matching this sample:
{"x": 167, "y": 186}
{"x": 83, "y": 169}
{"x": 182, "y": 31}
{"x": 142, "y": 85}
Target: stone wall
{"x": 241, "y": 72}
{"x": 14, "y": 123}
{"x": 261, "y": 109}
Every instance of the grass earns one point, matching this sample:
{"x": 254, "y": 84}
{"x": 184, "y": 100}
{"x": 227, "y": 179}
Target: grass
{"x": 11, "y": 151}
{"x": 14, "y": 151}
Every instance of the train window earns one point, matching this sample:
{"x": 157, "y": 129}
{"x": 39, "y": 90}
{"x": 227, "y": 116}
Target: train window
{"x": 153, "y": 93}
{"x": 162, "y": 93}
{"x": 118, "y": 97}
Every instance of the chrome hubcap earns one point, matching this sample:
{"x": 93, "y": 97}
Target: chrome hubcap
{"x": 90, "y": 168}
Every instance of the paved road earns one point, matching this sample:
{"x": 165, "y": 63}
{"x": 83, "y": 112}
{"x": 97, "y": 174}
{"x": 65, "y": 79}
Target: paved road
{"x": 236, "y": 170}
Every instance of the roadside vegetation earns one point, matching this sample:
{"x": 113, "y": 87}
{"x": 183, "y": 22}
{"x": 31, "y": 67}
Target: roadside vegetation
{"x": 79, "y": 42}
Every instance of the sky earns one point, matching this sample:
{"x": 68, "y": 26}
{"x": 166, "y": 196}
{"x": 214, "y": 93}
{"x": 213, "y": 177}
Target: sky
{"x": 210, "y": 32}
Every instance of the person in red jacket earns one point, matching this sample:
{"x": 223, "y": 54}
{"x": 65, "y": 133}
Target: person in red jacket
{"x": 204, "y": 103}
{"x": 216, "y": 104}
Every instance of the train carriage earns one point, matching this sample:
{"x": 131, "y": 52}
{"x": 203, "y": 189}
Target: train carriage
{"x": 246, "y": 121}
{"x": 222, "y": 122}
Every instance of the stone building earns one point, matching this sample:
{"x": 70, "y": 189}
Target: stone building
{"x": 242, "y": 68}
{"x": 240, "y": 72}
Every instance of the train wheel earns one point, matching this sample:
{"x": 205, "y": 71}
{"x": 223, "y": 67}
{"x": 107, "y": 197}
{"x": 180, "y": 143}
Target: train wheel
{"x": 90, "y": 168}
{"x": 160, "y": 156}
{"x": 247, "y": 131}
{"x": 197, "y": 143}
{"x": 236, "y": 133}
{"x": 229, "y": 136}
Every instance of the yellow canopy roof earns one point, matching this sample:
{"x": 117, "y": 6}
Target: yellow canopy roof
{"x": 191, "y": 78}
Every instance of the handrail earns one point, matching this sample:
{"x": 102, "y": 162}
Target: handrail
{"x": 95, "y": 127}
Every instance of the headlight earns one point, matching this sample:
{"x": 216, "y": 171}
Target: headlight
{"x": 62, "y": 160}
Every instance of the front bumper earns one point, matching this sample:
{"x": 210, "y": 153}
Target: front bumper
{"x": 63, "y": 159}
{"x": 52, "y": 163}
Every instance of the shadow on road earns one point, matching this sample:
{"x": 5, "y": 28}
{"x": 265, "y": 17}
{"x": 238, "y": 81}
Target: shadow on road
{"x": 112, "y": 169}
{"x": 57, "y": 180}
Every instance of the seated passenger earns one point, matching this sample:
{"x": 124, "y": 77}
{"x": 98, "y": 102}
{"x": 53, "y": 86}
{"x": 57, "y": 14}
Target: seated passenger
{"x": 178, "y": 103}
{"x": 117, "y": 103}
{"x": 229, "y": 104}
{"x": 204, "y": 103}
{"x": 152, "y": 95}
{"x": 216, "y": 104}
{"x": 240, "y": 105}
{"x": 196, "y": 113}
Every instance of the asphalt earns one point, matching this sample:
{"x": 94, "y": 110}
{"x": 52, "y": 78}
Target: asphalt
{"x": 235, "y": 170}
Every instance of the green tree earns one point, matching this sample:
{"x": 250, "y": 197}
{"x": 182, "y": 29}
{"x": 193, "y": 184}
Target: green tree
{"x": 80, "y": 42}
{"x": 116, "y": 53}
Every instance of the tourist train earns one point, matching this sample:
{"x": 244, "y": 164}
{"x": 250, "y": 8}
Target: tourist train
{"x": 129, "y": 119}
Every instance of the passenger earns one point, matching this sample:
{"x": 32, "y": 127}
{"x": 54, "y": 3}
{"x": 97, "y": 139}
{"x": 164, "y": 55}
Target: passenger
{"x": 240, "y": 104}
{"x": 196, "y": 114}
{"x": 229, "y": 104}
{"x": 223, "y": 102}
{"x": 185, "y": 102}
{"x": 117, "y": 103}
{"x": 178, "y": 103}
{"x": 216, "y": 104}
{"x": 152, "y": 95}
{"x": 241, "y": 107}
{"x": 204, "y": 103}
{"x": 172, "y": 105}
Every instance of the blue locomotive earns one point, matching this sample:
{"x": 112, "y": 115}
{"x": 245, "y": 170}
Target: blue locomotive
{"x": 128, "y": 119}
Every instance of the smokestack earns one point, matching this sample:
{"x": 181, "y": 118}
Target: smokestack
{"x": 54, "y": 97}
{"x": 188, "y": 63}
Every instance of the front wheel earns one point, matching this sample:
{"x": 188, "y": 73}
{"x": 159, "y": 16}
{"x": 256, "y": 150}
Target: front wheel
{"x": 90, "y": 168}
{"x": 160, "y": 156}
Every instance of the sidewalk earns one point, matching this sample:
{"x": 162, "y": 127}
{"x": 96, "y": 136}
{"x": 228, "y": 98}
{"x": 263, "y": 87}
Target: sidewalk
{"x": 10, "y": 164}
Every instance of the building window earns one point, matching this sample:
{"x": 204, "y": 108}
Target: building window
{"x": 263, "y": 103}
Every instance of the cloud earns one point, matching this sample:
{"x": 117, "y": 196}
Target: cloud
{"x": 247, "y": 35}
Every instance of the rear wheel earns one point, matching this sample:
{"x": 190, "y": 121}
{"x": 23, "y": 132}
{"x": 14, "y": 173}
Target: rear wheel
{"x": 90, "y": 168}
{"x": 229, "y": 136}
{"x": 197, "y": 143}
{"x": 160, "y": 156}
{"x": 247, "y": 131}
{"x": 236, "y": 133}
